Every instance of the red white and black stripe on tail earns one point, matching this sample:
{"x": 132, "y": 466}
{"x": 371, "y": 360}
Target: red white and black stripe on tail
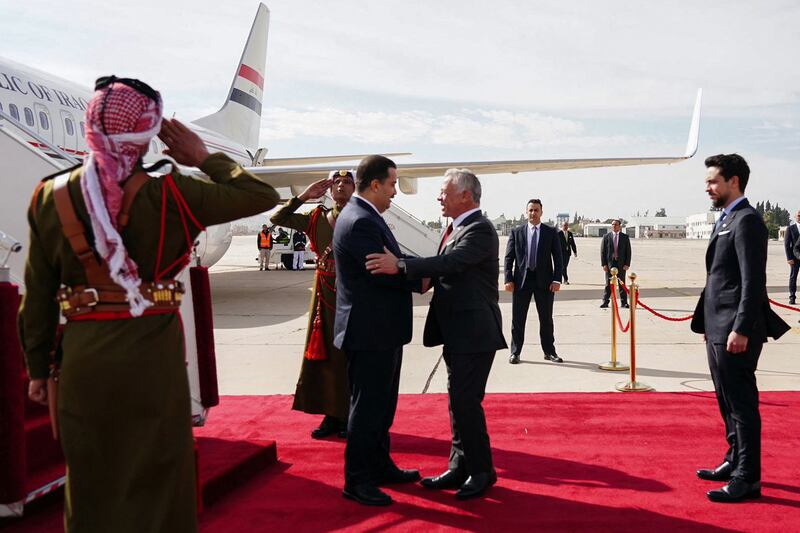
{"x": 239, "y": 119}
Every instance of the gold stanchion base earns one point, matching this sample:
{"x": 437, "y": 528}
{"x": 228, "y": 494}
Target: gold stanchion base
{"x": 615, "y": 366}
{"x": 634, "y": 386}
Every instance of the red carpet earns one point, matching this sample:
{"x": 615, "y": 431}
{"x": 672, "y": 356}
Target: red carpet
{"x": 566, "y": 462}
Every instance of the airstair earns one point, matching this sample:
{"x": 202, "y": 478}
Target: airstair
{"x": 414, "y": 237}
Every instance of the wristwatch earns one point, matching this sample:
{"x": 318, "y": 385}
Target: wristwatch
{"x": 401, "y": 265}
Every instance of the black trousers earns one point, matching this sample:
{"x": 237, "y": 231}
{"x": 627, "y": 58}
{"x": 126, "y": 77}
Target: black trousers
{"x": 734, "y": 377}
{"x": 470, "y": 451}
{"x": 623, "y": 296}
{"x": 374, "y": 382}
{"x": 566, "y": 264}
{"x": 520, "y": 303}
{"x": 793, "y": 269}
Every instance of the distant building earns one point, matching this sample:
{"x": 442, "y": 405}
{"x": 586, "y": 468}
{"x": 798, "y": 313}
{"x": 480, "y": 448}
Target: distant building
{"x": 502, "y": 225}
{"x": 596, "y": 229}
{"x": 701, "y": 225}
{"x": 656, "y": 228}
{"x": 561, "y": 218}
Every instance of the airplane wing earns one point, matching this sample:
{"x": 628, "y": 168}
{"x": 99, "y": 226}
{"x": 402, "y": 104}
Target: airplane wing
{"x": 315, "y": 160}
{"x": 301, "y": 175}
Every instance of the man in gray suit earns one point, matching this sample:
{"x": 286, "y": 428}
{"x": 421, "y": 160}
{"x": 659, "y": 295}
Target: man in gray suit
{"x": 465, "y": 317}
{"x": 735, "y": 318}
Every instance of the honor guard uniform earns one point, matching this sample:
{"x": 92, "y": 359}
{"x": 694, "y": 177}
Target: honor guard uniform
{"x": 322, "y": 387}
{"x": 107, "y": 241}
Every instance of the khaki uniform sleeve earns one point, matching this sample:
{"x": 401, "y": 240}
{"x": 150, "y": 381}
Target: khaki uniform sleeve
{"x": 232, "y": 194}
{"x": 38, "y": 313}
{"x": 287, "y": 217}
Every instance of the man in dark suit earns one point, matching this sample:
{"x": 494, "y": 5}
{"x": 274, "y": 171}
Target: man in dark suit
{"x": 567, "y": 240}
{"x": 734, "y": 315}
{"x": 465, "y": 317}
{"x": 533, "y": 267}
{"x": 373, "y": 322}
{"x": 615, "y": 252}
{"x": 791, "y": 240}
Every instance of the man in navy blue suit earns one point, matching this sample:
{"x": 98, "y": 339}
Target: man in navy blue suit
{"x": 735, "y": 318}
{"x": 373, "y": 322}
{"x": 533, "y": 268}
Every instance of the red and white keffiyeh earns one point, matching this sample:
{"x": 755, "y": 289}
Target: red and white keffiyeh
{"x": 131, "y": 120}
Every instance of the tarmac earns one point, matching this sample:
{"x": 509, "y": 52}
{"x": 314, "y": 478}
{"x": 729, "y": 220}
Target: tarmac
{"x": 260, "y": 321}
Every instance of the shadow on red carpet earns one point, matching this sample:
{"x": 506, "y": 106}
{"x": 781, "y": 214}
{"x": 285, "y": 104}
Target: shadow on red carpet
{"x": 565, "y": 462}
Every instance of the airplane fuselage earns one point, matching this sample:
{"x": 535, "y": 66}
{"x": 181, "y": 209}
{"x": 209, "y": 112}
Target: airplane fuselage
{"x": 54, "y": 108}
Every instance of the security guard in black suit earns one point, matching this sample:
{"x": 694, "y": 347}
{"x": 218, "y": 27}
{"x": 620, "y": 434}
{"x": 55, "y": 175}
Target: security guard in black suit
{"x": 790, "y": 242}
{"x": 734, "y": 315}
{"x": 615, "y": 252}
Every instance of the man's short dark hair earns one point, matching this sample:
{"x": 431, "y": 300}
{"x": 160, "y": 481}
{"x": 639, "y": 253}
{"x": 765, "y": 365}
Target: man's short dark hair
{"x": 534, "y": 201}
{"x": 373, "y": 167}
{"x": 731, "y": 165}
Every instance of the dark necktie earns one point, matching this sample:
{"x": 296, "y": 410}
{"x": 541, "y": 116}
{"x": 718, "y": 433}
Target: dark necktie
{"x": 532, "y": 250}
{"x": 719, "y": 222}
{"x": 447, "y": 233}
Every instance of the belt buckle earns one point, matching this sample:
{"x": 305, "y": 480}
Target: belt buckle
{"x": 96, "y": 296}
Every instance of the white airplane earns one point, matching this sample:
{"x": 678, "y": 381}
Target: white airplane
{"x": 42, "y": 117}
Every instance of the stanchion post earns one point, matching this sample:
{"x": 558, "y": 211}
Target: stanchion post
{"x": 633, "y": 385}
{"x": 613, "y": 365}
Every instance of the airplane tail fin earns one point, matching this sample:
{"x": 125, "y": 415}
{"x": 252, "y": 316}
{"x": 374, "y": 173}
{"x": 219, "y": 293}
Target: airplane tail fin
{"x": 240, "y": 115}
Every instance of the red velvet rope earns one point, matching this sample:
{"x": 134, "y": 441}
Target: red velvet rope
{"x": 656, "y": 313}
{"x": 789, "y": 307}
{"x": 623, "y": 329}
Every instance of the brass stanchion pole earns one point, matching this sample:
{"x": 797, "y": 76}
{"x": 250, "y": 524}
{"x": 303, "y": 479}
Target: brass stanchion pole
{"x": 633, "y": 385}
{"x": 613, "y": 365}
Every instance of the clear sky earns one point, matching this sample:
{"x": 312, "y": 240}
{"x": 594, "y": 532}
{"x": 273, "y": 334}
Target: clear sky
{"x": 464, "y": 80}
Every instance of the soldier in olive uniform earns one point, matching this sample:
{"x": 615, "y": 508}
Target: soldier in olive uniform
{"x": 123, "y": 399}
{"x": 322, "y": 387}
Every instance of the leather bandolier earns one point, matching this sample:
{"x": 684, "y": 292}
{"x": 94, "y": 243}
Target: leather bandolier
{"x": 101, "y": 297}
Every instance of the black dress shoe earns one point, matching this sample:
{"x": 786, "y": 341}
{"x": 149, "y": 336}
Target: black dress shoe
{"x": 737, "y": 490}
{"x": 367, "y": 494}
{"x": 476, "y": 485}
{"x": 514, "y": 359}
{"x": 451, "y": 479}
{"x": 327, "y": 427}
{"x": 720, "y": 473}
{"x": 553, "y": 357}
{"x": 792, "y": 301}
{"x": 625, "y": 305}
{"x": 604, "y": 305}
{"x": 398, "y": 475}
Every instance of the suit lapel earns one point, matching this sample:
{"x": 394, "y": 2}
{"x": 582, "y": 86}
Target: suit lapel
{"x": 388, "y": 235}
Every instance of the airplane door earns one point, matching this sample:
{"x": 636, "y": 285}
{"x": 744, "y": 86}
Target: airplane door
{"x": 69, "y": 128}
{"x": 44, "y": 124}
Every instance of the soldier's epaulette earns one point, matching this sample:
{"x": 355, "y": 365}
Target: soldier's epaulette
{"x": 40, "y": 186}
{"x": 62, "y": 171}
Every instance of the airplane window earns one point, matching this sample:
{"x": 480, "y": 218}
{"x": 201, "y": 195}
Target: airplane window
{"x": 43, "y": 120}
{"x": 28, "y": 116}
{"x": 83, "y": 130}
{"x": 70, "y": 128}
{"x": 13, "y": 111}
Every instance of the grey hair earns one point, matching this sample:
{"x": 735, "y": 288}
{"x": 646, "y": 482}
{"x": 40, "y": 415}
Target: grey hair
{"x": 464, "y": 179}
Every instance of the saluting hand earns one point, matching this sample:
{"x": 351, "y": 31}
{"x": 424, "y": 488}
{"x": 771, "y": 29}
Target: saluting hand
{"x": 183, "y": 145}
{"x": 316, "y": 189}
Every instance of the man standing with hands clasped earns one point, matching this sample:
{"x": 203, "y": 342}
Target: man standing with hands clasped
{"x": 533, "y": 268}
{"x": 735, "y": 318}
{"x": 464, "y": 316}
{"x": 615, "y": 252}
